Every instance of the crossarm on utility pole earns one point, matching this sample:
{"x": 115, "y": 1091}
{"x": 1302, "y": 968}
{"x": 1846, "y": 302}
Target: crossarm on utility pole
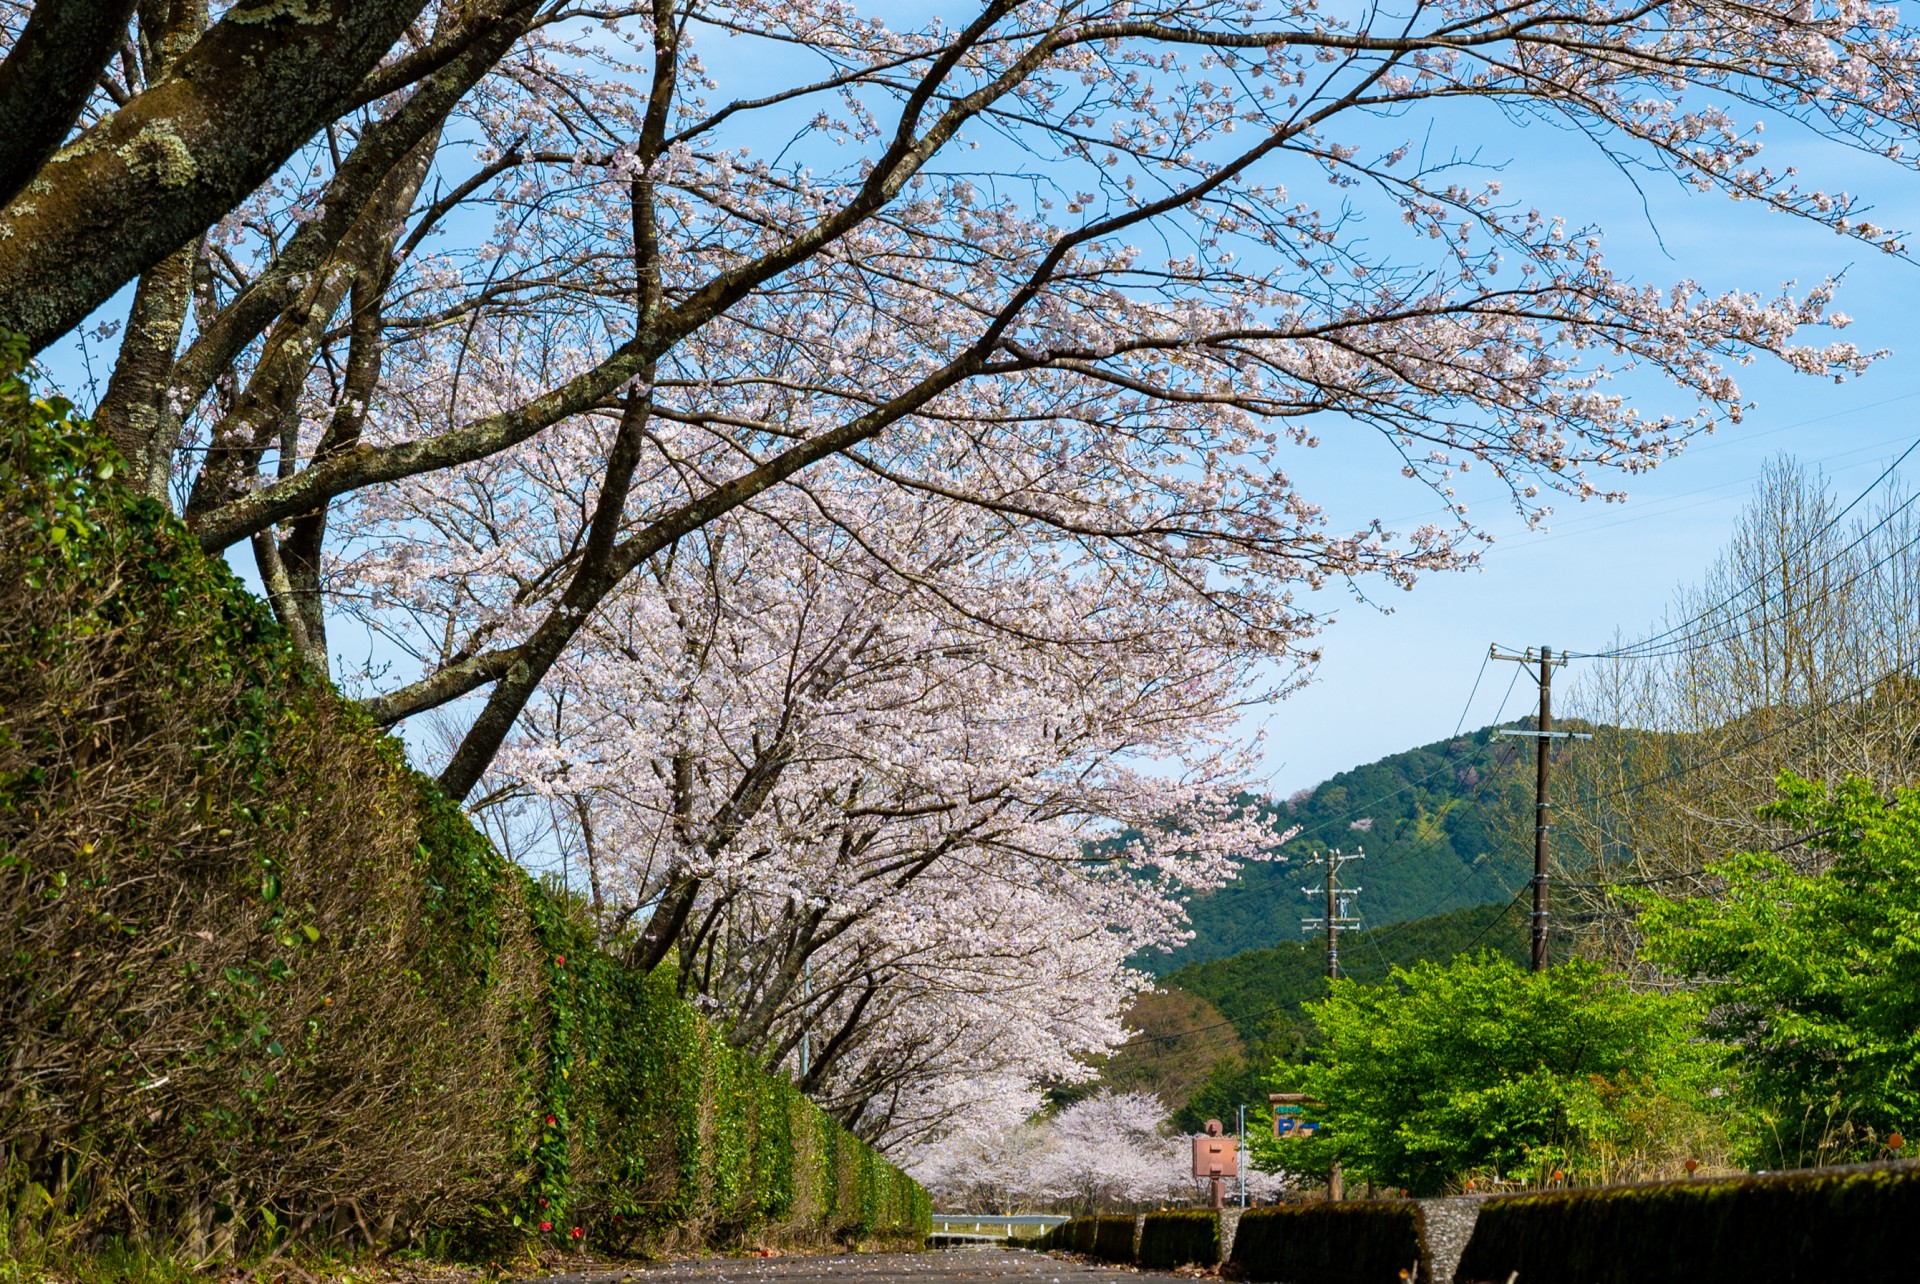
{"x": 1543, "y": 736}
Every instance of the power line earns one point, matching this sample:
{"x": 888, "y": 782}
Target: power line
{"x": 1702, "y": 642}
{"x": 1494, "y": 922}
{"x": 1320, "y": 828}
{"x": 1744, "y": 438}
{"x": 1370, "y": 937}
{"x": 1805, "y": 544}
{"x": 1484, "y": 661}
{"x": 1762, "y": 738}
{"x": 1388, "y": 862}
{"x": 1645, "y": 647}
{"x": 1668, "y": 505}
{"x": 1377, "y": 935}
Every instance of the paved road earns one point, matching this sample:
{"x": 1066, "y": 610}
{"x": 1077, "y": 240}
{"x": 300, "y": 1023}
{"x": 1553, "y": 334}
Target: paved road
{"x": 946, "y": 1266}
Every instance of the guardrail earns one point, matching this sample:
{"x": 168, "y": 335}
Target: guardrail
{"x": 1003, "y": 1225}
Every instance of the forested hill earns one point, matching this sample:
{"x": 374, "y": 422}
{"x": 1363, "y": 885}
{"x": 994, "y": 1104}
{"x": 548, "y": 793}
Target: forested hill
{"x": 1260, "y": 992}
{"x": 1203, "y": 1071}
{"x": 1444, "y": 826}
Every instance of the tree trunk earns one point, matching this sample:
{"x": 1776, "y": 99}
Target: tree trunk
{"x": 47, "y": 78}
{"x": 154, "y": 175}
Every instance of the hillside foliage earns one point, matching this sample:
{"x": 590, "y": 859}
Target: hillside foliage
{"x": 1445, "y": 826}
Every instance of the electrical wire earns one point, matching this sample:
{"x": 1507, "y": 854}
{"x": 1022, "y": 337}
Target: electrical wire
{"x": 1399, "y": 857}
{"x": 1484, "y": 661}
{"x": 1415, "y": 783}
{"x": 1725, "y": 635}
{"x": 1814, "y": 712}
{"x": 1374, "y": 936}
{"x": 1667, "y": 506}
{"x": 1494, "y": 922}
{"x": 1649, "y": 647}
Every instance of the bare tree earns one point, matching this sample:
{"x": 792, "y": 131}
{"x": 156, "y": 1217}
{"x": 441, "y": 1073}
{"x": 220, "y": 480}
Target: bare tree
{"x": 1795, "y": 653}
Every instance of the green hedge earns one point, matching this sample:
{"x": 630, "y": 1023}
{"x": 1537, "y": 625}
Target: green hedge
{"x": 260, "y": 976}
{"x": 1181, "y": 1238}
{"x": 1074, "y": 1236}
{"x": 1113, "y": 1239}
{"x": 1852, "y": 1224}
{"x": 1361, "y": 1242}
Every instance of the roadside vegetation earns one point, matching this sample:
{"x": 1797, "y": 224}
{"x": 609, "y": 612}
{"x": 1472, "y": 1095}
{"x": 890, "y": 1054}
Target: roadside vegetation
{"x": 265, "y": 987}
{"x": 1737, "y": 906}
{"x": 820, "y": 485}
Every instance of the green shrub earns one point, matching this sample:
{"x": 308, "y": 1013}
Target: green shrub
{"x": 1451, "y": 1070}
{"x": 1852, "y": 1224}
{"x": 1350, "y": 1243}
{"x": 1811, "y": 974}
{"x": 260, "y": 979}
{"x": 1075, "y": 1236}
{"x": 1180, "y": 1238}
{"x": 1113, "y": 1239}
{"x": 239, "y": 990}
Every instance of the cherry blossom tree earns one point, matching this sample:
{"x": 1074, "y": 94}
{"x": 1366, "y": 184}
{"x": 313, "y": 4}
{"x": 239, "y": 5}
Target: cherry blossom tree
{"x": 170, "y": 124}
{"x": 1107, "y": 1152}
{"x": 832, "y": 462}
{"x": 1057, "y": 264}
{"x": 897, "y": 799}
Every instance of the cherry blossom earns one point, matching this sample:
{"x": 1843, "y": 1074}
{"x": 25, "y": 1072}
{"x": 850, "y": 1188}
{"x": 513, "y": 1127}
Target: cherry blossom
{"x": 831, "y": 466}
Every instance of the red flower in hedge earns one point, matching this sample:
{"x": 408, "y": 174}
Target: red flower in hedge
{"x": 551, "y": 1121}
{"x": 559, "y": 960}
{"x": 546, "y": 1226}
{"x": 543, "y": 1203}
{"x": 577, "y": 1232}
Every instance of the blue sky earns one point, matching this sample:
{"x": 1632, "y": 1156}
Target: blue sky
{"x": 1393, "y": 681}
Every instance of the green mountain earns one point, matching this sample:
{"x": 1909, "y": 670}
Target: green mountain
{"x": 1446, "y": 826}
{"x": 1259, "y": 992}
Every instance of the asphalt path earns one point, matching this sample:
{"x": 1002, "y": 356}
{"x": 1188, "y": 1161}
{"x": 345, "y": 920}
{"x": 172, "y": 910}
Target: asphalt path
{"x": 942, "y": 1266}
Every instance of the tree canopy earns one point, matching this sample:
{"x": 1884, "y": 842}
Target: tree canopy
{"x": 1813, "y": 975}
{"x": 1476, "y": 1070}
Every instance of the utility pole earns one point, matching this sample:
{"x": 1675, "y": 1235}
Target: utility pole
{"x": 1338, "y": 899}
{"x": 1543, "y": 737}
{"x": 1241, "y": 1133}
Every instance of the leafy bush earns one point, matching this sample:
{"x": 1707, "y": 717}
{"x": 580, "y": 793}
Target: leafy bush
{"x": 1475, "y": 1066}
{"x": 1847, "y": 1224}
{"x": 226, "y": 983}
{"x": 1113, "y": 1239}
{"x": 1075, "y": 1236}
{"x": 1814, "y": 977}
{"x": 1180, "y": 1238}
{"x": 259, "y": 978}
{"x": 1347, "y": 1243}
